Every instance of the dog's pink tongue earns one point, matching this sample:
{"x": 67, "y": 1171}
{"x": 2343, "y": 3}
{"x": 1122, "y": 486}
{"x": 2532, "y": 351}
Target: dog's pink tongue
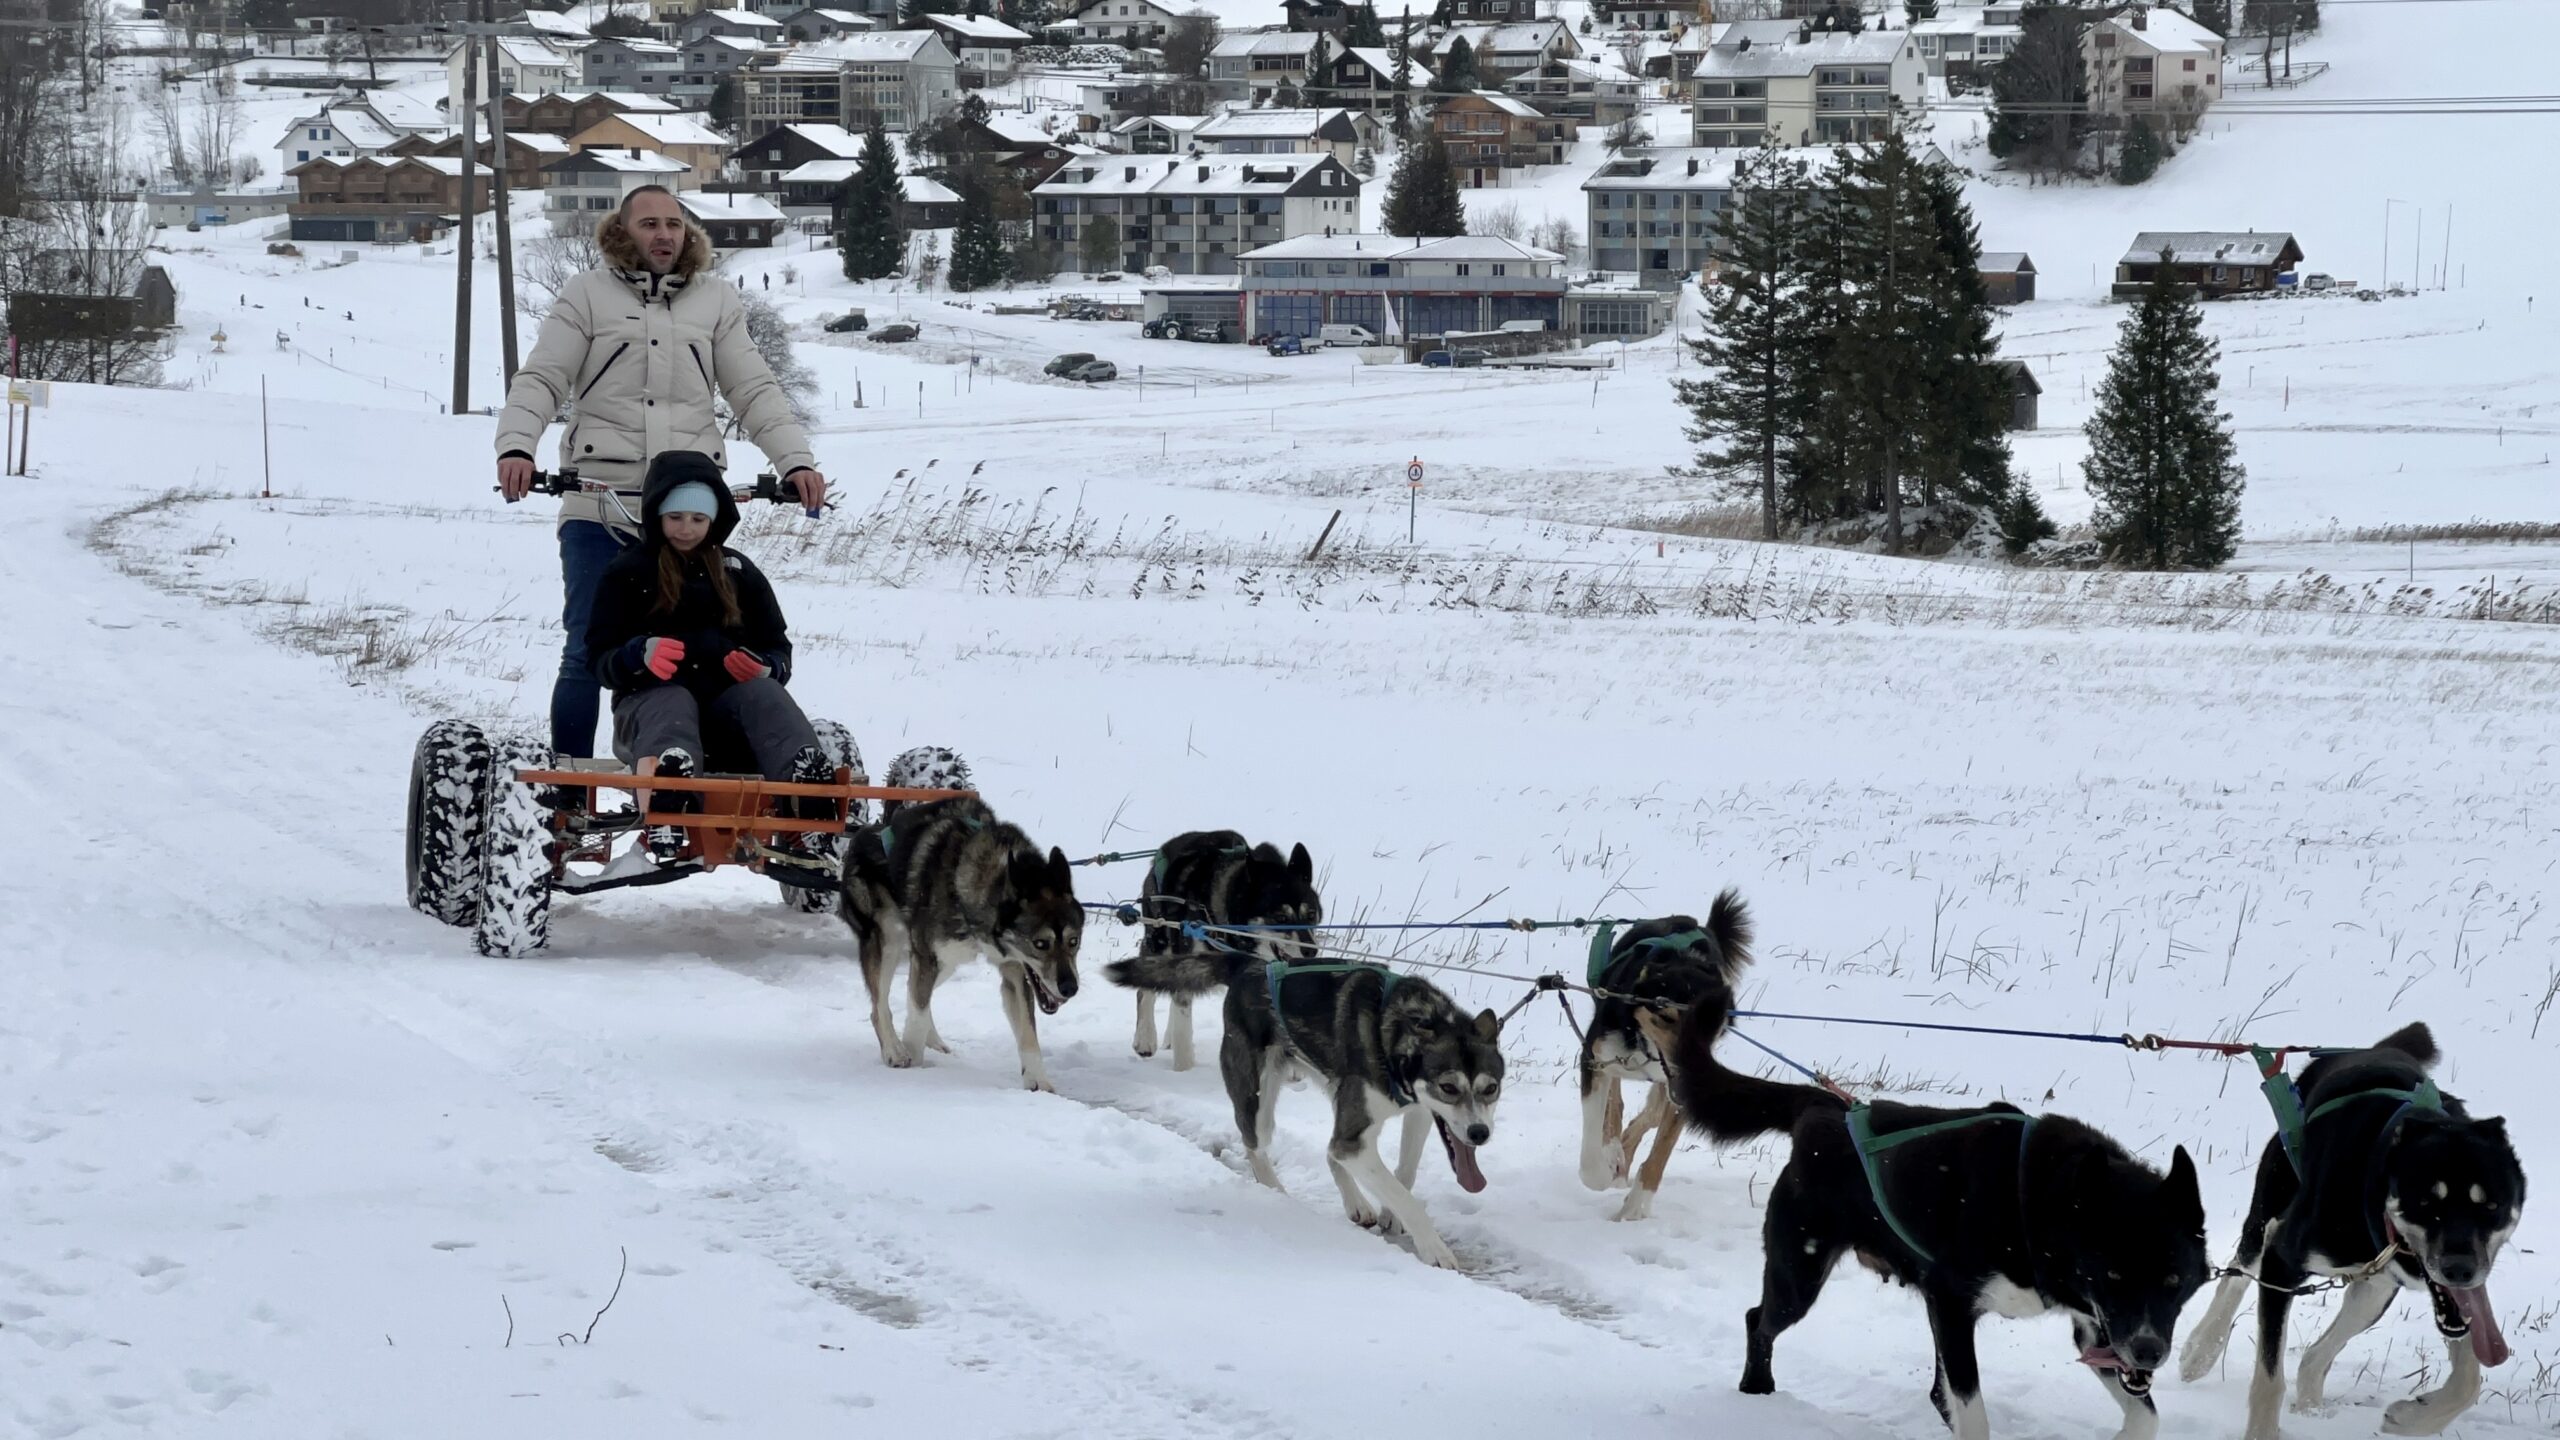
{"x": 2486, "y": 1342}
{"x": 1462, "y": 1159}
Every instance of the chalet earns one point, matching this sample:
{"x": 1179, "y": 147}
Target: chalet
{"x": 1330, "y": 16}
{"x": 2009, "y": 277}
{"x": 2214, "y": 263}
{"x": 1785, "y": 81}
{"x": 1337, "y": 132}
{"x": 1134, "y": 23}
{"x": 766, "y": 159}
{"x": 2023, "y": 390}
{"x": 646, "y": 67}
{"x": 1594, "y": 92}
{"x": 1394, "y": 286}
{"x": 735, "y": 222}
{"x": 591, "y": 182}
{"x": 1488, "y": 133}
{"x": 402, "y": 197}
{"x": 817, "y": 23}
{"x": 1193, "y": 216}
{"x": 1156, "y": 134}
{"x": 1256, "y": 66}
{"x": 738, "y": 24}
{"x": 345, "y": 127}
{"x": 74, "y": 295}
{"x": 526, "y": 153}
{"x": 1656, "y": 15}
{"x": 564, "y": 113}
{"x": 925, "y": 203}
{"x": 1502, "y": 51}
{"x": 1363, "y": 78}
{"x": 682, "y": 138}
{"x": 981, "y": 43}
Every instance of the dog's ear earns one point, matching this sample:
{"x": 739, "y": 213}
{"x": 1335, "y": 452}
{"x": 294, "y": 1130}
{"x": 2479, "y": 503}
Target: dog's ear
{"x": 1488, "y": 1025}
{"x": 1060, "y": 873}
{"x": 1302, "y": 866}
{"x": 2180, "y": 1194}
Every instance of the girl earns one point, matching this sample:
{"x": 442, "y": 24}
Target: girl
{"x": 687, "y": 636}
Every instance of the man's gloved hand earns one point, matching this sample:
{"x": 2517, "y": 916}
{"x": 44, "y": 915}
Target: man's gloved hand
{"x": 656, "y": 654}
{"x": 744, "y": 665}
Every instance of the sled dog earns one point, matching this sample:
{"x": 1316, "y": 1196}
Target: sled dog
{"x": 1386, "y": 1046}
{"x": 1667, "y": 964}
{"x": 2399, "y": 1189}
{"x": 940, "y": 882}
{"x": 2000, "y": 1212}
{"x": 1215, "y": 877}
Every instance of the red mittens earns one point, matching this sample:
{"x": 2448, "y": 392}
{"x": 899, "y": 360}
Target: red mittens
{"x": 743, "y": 666}
{"x": 661, "y": 656}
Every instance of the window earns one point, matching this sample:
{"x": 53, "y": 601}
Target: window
{"x": 1498, "y": 269}
{"x": 1751, "y": 89}
{"x": 2191, "y": 64}
{"x": 1462, "y": 267}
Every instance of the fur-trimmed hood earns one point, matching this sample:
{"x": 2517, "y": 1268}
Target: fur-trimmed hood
{"x": 622, "y": 250}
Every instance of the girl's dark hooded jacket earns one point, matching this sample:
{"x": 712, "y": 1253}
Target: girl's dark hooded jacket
{"x": 626, "y": 600}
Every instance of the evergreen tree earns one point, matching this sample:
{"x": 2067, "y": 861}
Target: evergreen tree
{"x": 1887, "y": 355}
{"x": 2040, "y": 91}
{"x": 1098, "y": 244}
{"x": 1963, "y": 434}
{"x": 1403, "y": 78}
{"x": 977, "y": 246}
{"x": 1457, "y": 69}
{"x": 2140, "y": 158}
{"x": 871, "y": 233}
{"x": 2021, "y": 518}
{"x": 1364, "y": 28}
{"x": 912, "y": 13}
{"x": 2162, "y": 466}
{"x": 1919, "y": 10}
{"x": 1755, "y": 353}
{"x": 2214, "y": 15}
{"x": 1422, "y": 196}
{"x": 723, "y": 106}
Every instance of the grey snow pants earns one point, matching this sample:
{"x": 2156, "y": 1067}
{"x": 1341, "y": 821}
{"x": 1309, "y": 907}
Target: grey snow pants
{"x": 759, "y": 712}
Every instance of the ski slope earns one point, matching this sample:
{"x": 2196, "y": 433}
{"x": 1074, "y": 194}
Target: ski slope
{"x": 284, "y": 1158}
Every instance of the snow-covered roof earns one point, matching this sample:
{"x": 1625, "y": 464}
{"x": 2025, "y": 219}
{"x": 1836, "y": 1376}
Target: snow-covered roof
{"x": 1209, "y": 175}
{"x": 628, "y": 162}
{"x": 2211, "y": 247}
{"x": 983, "y": 29}
{"x": 361, "y": 129}
{"x": 1268, "y": 42}
{"x": 441, "y": 164}
{"x": 925, "y": 190}
{"x": 1178, "y": 124}
{"x": 882, "y": 45}
{"x": 1383, "y": 61}
{"x": 1269, "y": 124}
{"x": 639, "y": 46}
{"x": 1166, "y": 11}
{"x": 821, "y": 172}
{"x": 1020, "y": 129}
{"x": 707, "y": 208}
{"x": 553, "y": 23}
{"x": 405, "y": 112}
{"x": 834, "y": 139}
{"x": 1598, "y": 72}
{"x": 854, "y": 19}
{"x": 629, "y": 100}
{"x": 1503, "y": 39}
{"x": 1509, "y": 106}
{"x": 733, "y": 42}
{"x": 2166, "y": 29}
{"x": 674, "y": 129}
{"x": 1340, "y": 246}
{"x": 1782, "y": 47}
{"x": 747, "y": 18}
{"x": 2003, "y": 262}
{"x": 1670, "y": 168}
{"x": 524, "y": 50}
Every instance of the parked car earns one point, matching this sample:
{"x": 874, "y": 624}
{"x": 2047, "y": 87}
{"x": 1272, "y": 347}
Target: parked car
{"x": 2317, "y": 281}
{"x": 1067, "y": 362}
{"x": 1285, "y": 345}
{"x": 1094, "y": 372}
{"x": 1212, "y": 332}
{"x": 848, "y": 322}
{"x": 1346, "y": 335}
{"x": 897, "y": 334}
{"x": 1460, "y": 359}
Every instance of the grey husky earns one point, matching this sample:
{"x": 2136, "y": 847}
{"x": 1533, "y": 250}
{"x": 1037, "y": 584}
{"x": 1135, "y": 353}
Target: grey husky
{"x": 938, "y": 883}
{"x": 1215, "y": 877}
{"x": 1663, "y": 965}
{"x": 1386, "y": 1046}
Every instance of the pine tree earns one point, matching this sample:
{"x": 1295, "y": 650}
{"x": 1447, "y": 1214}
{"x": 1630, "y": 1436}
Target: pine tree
{"x": 1759, "y": 366}
{"x": 2214, "y": 15}
{"x": 1403, "y": 79}
{"x": 871, "y": 233}
{"x": 1422, "y": 196}
{"x": 1963, "y": 433}
{"x": 2040, "y": 91}
{"x": 2021, "y": 518}
{"x": 2162, "y": 465}
{"x": 1886, "y": 354}
{"x": 2140, "y": 158}
{"x": 1457, "y": 69}
{"x": 1919, "y": 10}
{"x": 977, "y": 245}
{"x": 912, "y": 13}
{"x": 1364, "y": 28}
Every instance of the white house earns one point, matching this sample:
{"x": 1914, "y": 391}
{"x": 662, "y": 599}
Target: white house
{"x": 1796, "y": 85}
{"x": 982, "y": 42}
{"x": 646, "y": 67}
{"x": 592, "y": 182}
{"x": 346, "y": 127}
{"x": 818, "y": 22}
{"x": 1155, "y": 134}
{"x": 524, "y": 63}
{"x": 1336, "y": 132}
{"x": 1967, "y": 41}
{"x": 1133, "y": 23}
{"x": 2152, "y": 62}
{"x": 1502, "y": 51}
{"x": 1193, "y": 216}
{"x": 1256, "y": 65}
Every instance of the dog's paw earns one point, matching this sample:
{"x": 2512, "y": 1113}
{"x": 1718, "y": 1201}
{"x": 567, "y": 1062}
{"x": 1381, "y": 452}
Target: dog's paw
{"x": 935, "y": 1041}
{"x": 2310, "y": 1397}
{"x": 1599, "y": 1171}
{"x": 897, "y": 1055}
{"x": 1038, "y": 1082}
{"x": 2419, "y": 1415}
{"x": 1758, "y": 1382}
{"x": 2201, "y": 1353}
{"x": 1363, "y": 1215}
{"x": 1433, "y": 1251}
{"x": 1145, "y": 1051}
{"x": 1638, "y": 1206}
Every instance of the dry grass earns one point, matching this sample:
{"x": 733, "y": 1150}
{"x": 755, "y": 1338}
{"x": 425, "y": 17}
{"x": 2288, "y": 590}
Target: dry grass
{"x": 2514, "y": 532}
{"x": 1703, "y": 522}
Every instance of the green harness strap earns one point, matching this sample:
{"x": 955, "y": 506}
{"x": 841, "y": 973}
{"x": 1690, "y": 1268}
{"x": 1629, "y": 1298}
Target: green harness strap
{"x": 1601, "y": 944}
{"x": 2285, "y": 1099}
{"x": 1277, "y": 970}
{"x": 1871, "y": 1145}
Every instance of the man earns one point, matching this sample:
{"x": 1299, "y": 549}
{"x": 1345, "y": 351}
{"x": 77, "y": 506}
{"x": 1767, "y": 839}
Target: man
{"x": 636, "y": 350}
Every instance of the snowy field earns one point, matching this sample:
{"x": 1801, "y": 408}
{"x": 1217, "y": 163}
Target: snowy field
{"x": 284, "y": 1158}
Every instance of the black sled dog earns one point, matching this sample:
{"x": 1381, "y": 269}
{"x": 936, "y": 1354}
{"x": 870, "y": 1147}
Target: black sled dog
{"x": 1669, "y": 964}
{"x": 1214, "y": 877}
{"x": 2398, "y": 1188}
{"x": 1986, "y": 1210}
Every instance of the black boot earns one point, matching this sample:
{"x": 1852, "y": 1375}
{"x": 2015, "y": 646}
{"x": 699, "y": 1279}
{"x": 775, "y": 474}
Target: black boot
{"x": 666, "y": 843}
{"x": 808, "y": 858}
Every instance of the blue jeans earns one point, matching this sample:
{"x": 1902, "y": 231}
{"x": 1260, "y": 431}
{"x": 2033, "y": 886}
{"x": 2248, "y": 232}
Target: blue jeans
{"x": 585, "y": 549}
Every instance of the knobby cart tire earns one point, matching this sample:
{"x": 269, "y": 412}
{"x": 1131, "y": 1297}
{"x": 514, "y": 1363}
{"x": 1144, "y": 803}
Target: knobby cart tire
{"x": 448, "y": 793}
{"x": 516, "y": 853}
{"x": 838, "y": 744}
{"x": 926, "y": 767}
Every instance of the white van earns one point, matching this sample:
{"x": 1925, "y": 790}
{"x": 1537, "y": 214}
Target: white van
{"x": 1346, "y": 335}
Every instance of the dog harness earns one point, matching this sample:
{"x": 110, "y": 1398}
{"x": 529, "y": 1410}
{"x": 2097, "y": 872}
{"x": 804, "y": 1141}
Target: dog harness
{"x": 1871, "y": 1146}
{"x": 1601, "y": 945}
{"x": 1277, "y": 970}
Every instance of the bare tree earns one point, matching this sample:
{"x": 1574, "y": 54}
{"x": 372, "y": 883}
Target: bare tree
{"x": 1629, "y": 133}
{"x": 69, "y": 275}
{"x": 1502, "y": 222}
{"x": 1557, "y": 233}
{"x": 1187, "y": 43}
{"x": 169, "y": 126}
{"x": 216, "y": 129}
{"x": 545, "y": 266}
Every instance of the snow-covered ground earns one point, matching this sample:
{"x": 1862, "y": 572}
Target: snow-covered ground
{"x": 284, "y": 1158}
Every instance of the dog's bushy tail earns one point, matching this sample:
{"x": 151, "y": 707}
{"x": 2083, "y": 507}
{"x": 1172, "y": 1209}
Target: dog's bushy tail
{"x": 1181, "y": 974}
{"x": 1729, "y": 925}
{"x": 2414, "y": 1040}
{"x": 1724, "y": 1103}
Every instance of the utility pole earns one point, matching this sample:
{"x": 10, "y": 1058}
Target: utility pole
{"x": 472, "y": 57}
{"x": 506, "y": 233}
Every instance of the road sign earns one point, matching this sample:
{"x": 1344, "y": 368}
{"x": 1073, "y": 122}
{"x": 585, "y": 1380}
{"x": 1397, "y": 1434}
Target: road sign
{"x": 1413, "y": 473}
{"x": 35, "y": 394}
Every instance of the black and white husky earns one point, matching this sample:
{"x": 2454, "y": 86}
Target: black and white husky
{"x": 1387, "y": 1047}
{"x": 938, "y": 883}
{"x": 1213, "y": 876}
{"x": 2399, "y": 1189}
{"x": 1999, "y": 1212}
{"x": 1667, "y": 965}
